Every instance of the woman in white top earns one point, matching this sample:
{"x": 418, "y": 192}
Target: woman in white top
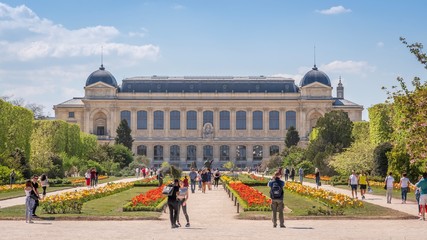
{"x": 44, "y": 182}
{"x": 30, "y": 202}
{"x": 182, "y": 199}
{"x": 404, "y": 187}
{"x": 389, "y": 180}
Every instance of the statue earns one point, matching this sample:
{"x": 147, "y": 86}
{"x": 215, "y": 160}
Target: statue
{"x": 208, "y": 130}
{"x": 208, "y": 164}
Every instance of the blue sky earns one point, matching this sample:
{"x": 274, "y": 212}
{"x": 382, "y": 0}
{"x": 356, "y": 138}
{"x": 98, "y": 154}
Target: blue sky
{"x": 48, "y": 48}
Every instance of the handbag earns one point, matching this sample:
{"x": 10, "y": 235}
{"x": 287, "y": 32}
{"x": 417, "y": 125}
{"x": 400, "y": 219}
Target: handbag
{"x": 385, "y": 186}
{"x": 168, "y": 190}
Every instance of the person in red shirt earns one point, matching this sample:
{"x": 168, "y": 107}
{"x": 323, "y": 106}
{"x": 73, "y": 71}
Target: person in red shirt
{"x": 185, "y": 182}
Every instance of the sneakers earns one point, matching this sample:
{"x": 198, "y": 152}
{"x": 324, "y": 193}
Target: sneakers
{"x": 422, "y": 219}
{"x": 178, "y": 224}
{"x": 187, "y": 225}
{"x": 363, "y": 197}
{"x": 282, "y": 226}
{"x": 275, "y": 225}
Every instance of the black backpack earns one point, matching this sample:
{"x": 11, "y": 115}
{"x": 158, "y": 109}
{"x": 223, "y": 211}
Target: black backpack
{"x": 276, "y": 191}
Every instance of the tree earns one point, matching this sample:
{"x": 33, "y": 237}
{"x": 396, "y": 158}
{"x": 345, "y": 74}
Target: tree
{"x": 358, "y": 157}
{"x": 380, "y": 159}
{"x": 124, "y": 136}
{"x": 292, "y": 137}
{"x": 122, "y": 155}
{"x": 336, "y": 128}
{"x": 229, "y": 165}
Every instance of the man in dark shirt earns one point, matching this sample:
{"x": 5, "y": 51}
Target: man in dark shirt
{"x": 277, "y": 205}
{"x": 35, "y": 192}
{"x": 173, "y": 204}
{"x": 193, "y": 176}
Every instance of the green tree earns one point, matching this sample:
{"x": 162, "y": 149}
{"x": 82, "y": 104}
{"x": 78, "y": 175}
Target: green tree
{"x": 122, "y": 155}
{"x": 293, "y": 156}
{"x": 292, "y": 137}
{"x": 380, "y": 159}
{"x": 358, "y": 157}
{"x": 124, "y": 136}
{"x": 228, "y": 165}
{"x": 380, "y": 127}
{"x": 335, "y": 128}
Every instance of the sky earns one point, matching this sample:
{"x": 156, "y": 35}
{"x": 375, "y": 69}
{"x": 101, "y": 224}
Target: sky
{"x": 48, "y": 48}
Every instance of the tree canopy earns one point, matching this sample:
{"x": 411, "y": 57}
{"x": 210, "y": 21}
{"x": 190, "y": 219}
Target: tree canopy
{"x": 124, "y": 136}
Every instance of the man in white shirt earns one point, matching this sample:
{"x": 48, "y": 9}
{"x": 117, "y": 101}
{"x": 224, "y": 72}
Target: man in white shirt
{"x": 353, "y": 182}
{"x": 389, "y": 180}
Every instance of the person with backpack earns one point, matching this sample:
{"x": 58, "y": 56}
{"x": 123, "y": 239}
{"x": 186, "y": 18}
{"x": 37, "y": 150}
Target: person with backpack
{"x": 276, "y": 194}
{"x": 173, "y": 204}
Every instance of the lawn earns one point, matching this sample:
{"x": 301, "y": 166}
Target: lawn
{"x": 109, "y": 207}
{"x": 298, "y": 207}
{"x": 20, "y": 192}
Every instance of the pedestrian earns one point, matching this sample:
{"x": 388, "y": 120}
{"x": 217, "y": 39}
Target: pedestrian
{"x": 301, "y": 174}
{"x": 144, "y": 172}
{"x": 45, "y": 183}
{"x": 160, "y": 177}
{"x": 193, "y": 179}
{"x": 182, "y": 200}
{"x": 286, "y": 174}
{"x": 87, "y": 177}
{"x": 12, "y": 177}
{"x": 363, "y": 182}
{"x": 209, "y": 182}
{"x": 317, "y": 177}
{"x": 292, "y": 174}
{"x": 137, "y": 172}
{"x": 422, "y": 184}
{"x": 93, "y": 177}
{"x": 36, "y": 193}
{"x": 30, "y": 201}
{"x": 389, "y": 181}
{"x": 276, "y": 194}
{"x": 173, "y": 204}
{"x": 217, "y": 175}
{"x": 205, "y": 177}
{"x": 199, "y": 179}
{"x": 417, "y": 197}
{"x": 185, "y": 182}
{"x": 404, "y": 187}
{"x": 353, "y": 181}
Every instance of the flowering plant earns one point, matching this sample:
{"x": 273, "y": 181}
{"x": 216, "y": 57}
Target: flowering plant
{"x": 323, "y": 178}
{"x": 6, "y": 188}
{"x": 152, "y": 200}
{"x": 253, "y": 200}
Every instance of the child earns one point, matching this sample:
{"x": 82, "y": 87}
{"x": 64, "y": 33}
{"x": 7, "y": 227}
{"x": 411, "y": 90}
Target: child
{"x": 417, "y": 196}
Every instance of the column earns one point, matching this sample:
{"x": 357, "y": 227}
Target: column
{"x": 216, "y": 122}
{"x": 249, "y": 121}
{"x": 183, "y": 124}
{"x": 166, "y": 123}
{"x": 233, "y": 122}
{"x": 199, "y": 122}
{"x": 133, "y": 119}
{"x": 150, "y": 123}
{"x": 265, "y": 121}
{"x": 282, "y": 122}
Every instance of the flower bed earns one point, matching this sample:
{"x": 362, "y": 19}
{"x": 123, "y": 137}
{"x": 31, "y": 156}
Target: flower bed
{"x": 327, "y": 197}
{"x": 152, "y": 200}
{"x": 147, "y": 182}
{"x": 72, "y": 202}
{"x": 253, "y": 180}
{"x": 395, "y": 185}
{"x": 7, "y": 188}
{"x": 250, "y": 198}
{"x": 322, "y": 178}
{"x": 83, "y": 180}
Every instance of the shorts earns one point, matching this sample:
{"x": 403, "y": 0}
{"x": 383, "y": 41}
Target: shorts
{"x": 362, "y": 186}
{"x": 353, "y": 187}
{"x": 423, "y": 199}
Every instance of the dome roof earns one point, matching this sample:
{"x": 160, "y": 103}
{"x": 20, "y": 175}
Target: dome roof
{"x": 101, "y": 75}
{"x": 315, "y": 75}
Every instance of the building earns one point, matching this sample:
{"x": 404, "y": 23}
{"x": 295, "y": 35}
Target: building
{"x": 185, "y": 119}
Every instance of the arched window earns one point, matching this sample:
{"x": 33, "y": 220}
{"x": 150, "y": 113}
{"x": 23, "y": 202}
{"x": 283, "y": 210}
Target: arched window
{"x": 174, "y": 153}
{"x": 175, "y": 120}
{"x": 257, "y": 120}
{"x": 274, "y": 120}
{"x": 291, "y": 119}
{"x": 126, "y": 116}
{"x": 191, "y": 120}
{"x": 191, "y": 153}
{"x": 224, "y": 120}
{"x": 207, "y": 117}
{"x": 274, "y": 150}
{"x": 224, "y": 153}
{"x": 141, "y": 150}
{"x": 257, "y": 153}
{"x": 141, "y": 120}
{"x": 158, "y": 153}
{"x": 241, "y": 153}
{"x": 207, "y": 152}
{"x": 158, "y": 120}
{"x": 241, "y": 120}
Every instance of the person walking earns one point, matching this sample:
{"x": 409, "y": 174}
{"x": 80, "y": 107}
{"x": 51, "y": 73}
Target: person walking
{"x": 30, "y": 201}
{"x": 199, "y": 179}
{"x": 45, "y": 183}
{"x": 317, "y": 177}
{"x": 137, "y": 172}
{"x": 353, "y": 181}
{"x": 205, "y": 178}
{"x": 404, "y": 187}
{"x": 182, "y": 200}
{"x": 12, "y": 177}
{"x": 160, "y": 177}
{"x": 389, "y": 180}
{"x": 93, "y": 177}
{"x": 276, "y": 194}
{"x": 292, "y": 174}
{"x": 286, "y": 174}
{"x": 35, "y": 192}
{"x": 193, "y": 179}
{"x": 301, "y": 174}
{"x": 87, "y": 177}
{"x": 363, "y": 182}
{"x": 422, "y": 185}
{"x": 217, "y": 175}
{"x": 173, "y": 204}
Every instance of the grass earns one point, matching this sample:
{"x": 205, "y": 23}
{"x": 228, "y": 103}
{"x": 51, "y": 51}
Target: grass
{"x": 20, "y": 192}
{"x": 298, "y": 207}
{"x": 109, "y": 207}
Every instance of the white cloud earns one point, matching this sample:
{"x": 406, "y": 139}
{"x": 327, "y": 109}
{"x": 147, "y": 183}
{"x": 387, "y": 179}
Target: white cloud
{"x": 178, "y": 7}
{"x": 347, "y": 67}
{"x": 334, "y": 10}
{"x": 142, "y": 33}
{"x": 28, "y": 37}
{"x": 380, "y": 44}
{"x": 296, "y": 77}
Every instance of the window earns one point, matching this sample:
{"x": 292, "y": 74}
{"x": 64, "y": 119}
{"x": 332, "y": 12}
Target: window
{"x": 174, "y": 153}
{"x": 274, "y": 120}
{"x": 70, "y": 114}
{"x": 241, "y": 153}
{"x": 191, "y": 120}
{"x": 100, "y": 131}
{"x": 126, "y": 116}
{"x": 191, "y": 153}
{"x": 141, "y": 150}
{"x": 207, "y": 152}
{"x": 274, "y": 150}
{"x": 241, "y": 120}
{"x": 257, "y": 120}
{"x": 158, "y": 153}
{"x": 141, "y": 120}
{"x": 158, "y": 120}
{"x": 224, "y": 120}
{"x": 257, "y": 153}
{"x": 207, "y": 117}
{"x": 224, "y": 153}
{"x": 175, "y": 120}
{"x": 291, "y": 119}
